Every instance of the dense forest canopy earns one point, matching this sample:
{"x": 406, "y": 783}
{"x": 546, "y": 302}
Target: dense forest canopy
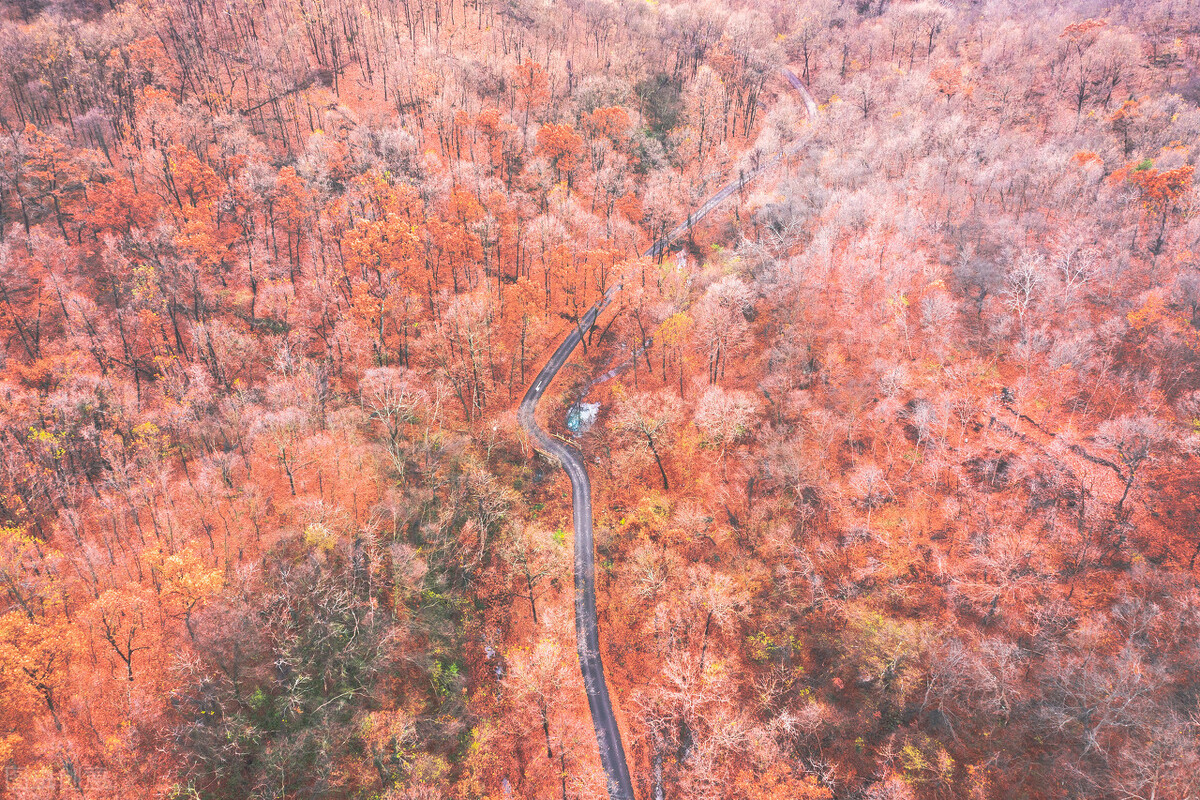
{"x": 895, "y": 463}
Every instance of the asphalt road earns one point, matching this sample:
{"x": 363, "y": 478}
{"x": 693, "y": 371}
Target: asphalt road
{"x": 587, "y": 628}
{"x": 810, "y": 105}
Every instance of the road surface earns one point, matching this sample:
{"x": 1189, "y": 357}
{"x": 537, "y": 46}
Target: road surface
{"x": 810, "y": 105}
{"x": 587, "y": 627}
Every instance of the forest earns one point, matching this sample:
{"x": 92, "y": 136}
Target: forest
{"x": 894, "y": 463}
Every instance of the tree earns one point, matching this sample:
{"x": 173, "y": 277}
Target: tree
{"x": 397, "y": 401}
{"x": 270, "y": 701}
{"x": 610, "y": 121}
{"x": 465, "y": 334}
{"x": 725, "y": 416}
{"x": 532, "y": 85}
{"x": 290, "y": 206}
{"x": 562, "y": 146}
{"x": 1076, "y": 267}
{"x": 186, "y": 584}
{"x": 705, "y": 105}
{"x": 115, "y": 206}
{"x": 384, "y": 259}
{"x": 1163, "y": 194}
{"x": 535, "y": 557}
{"x": 648, "y": 419}
{"x": 1023, "y": 285}
{"x": 810, "y": 28}
{"x": 35, "y": 657}
{"x": 120, "y": 626}
{"x": 722, "y": 330}
{"x": 1094, "y": 59}
{"x": 1133, "y": 440}
{"x": 50, "y": 179}
{"x": 535, "y": 679}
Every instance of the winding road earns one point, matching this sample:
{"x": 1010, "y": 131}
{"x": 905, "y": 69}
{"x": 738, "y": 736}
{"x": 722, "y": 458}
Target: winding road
{"x": 587, "y": 627}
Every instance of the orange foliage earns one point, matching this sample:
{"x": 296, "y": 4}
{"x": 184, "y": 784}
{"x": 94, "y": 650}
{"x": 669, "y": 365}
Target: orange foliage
{"x": 1155, "y": 315}
{"x": 778, "y": 780}
{"x": 532, "y": 83}
{"x": 612, "y": 122}
{"x": 561, "y": 145}
{"x": 1160, "y": 190}
{"x": 1083, "y": 29}
{"x": 273, "y": 280}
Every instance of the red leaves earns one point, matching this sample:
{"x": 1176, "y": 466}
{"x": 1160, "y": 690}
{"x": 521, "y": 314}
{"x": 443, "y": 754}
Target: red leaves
{"x": 1155, "y": 316}
{"x": 532, "y": 83}
{"x": 53, "y": 178}
{"x": 612, "y": 121}
{"x": 1083, "y": 30}
{"x": 488, "y": 121}
{"x": 561, "y": 145}
{"x": 1160, "y": 190}
{"x": 115, "y": 206}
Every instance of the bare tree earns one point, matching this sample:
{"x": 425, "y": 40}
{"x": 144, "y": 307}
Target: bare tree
{"x": 1023, "y": 284}
{"x": 1133, "y": 439}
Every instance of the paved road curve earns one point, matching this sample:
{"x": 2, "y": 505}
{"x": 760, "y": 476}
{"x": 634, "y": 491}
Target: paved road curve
{"x": 587, "y": 629}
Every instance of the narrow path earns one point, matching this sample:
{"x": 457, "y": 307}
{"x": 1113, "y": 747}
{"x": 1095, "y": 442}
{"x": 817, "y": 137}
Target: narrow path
{"x": 587, "y": 626}
{"x": 733, "y": 187}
